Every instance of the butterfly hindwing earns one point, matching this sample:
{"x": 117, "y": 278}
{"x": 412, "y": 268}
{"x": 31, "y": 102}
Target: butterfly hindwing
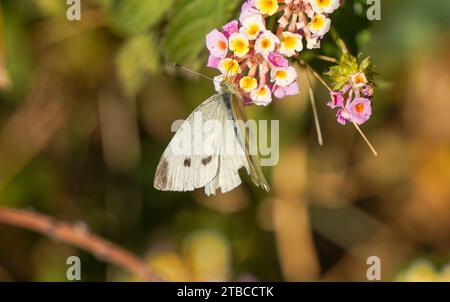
{"x": 247, "y": 139}
{"x": 232, "y": 158}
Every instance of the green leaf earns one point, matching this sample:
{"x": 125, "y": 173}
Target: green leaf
{"x": 189, "y": 24}
{"x": 365, "y": 64}
{"x": 135, "y": 16}
{"x": 137, "y": 58}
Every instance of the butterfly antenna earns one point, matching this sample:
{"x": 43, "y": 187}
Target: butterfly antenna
{"x": 191, "y": 71}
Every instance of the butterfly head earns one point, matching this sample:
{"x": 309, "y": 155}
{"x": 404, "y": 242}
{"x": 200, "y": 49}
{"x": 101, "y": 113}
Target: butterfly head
{"x": 227, "y": 85}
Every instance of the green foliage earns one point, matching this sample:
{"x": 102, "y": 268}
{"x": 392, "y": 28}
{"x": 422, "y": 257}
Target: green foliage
{"x": 190, "y": 22}
{"x": 349, "y": 21}
{"x": 51, "y": 8}
{"x": 135, "y": 16}
{"x": 348, "y": 65}
{"x": 137, "y": 58}
{"x": 139, "y": 54}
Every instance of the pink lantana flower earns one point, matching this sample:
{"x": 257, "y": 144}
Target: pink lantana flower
{"x": 252, "y": 26}
{"x": 337, "y": 99}
{"x": 360, "y": 110}
{"x": 283, "y": 76}
{"x": 266, "y": 43}
{"x": 217, "y": 44}
{"x": 319, "y": 25}
{"x": 248, "y": 9}
{"x": 359, "y": 80}
{"x": 261, "y": 96}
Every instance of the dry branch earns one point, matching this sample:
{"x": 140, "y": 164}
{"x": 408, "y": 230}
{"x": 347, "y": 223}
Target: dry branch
{"x": 78, "y": 237}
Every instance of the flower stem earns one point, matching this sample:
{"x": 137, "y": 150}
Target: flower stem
{"x": 365, "y": 139}
{"x": 321, "y": 80}
{"x": 316, "y": 75}
{"x": 313, "y": 104}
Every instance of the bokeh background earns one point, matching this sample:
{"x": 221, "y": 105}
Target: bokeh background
{"x": 85, "y": 113}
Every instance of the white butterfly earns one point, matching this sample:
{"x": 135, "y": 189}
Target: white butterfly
{"x": 214, "y": 167}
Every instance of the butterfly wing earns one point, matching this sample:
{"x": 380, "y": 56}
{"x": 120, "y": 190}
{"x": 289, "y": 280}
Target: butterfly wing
{"x": 232, "y": 158}
{"x": 248, "y": 138}
{"x": 219, "y": 167}
{"x": 191, "y": 168}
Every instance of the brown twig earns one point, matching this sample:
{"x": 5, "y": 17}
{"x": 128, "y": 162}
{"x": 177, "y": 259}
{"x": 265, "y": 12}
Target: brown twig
{"x": 78, "y": 237}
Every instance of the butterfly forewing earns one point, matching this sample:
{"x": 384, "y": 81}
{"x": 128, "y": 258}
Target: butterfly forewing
{"x": 193, "y": 167}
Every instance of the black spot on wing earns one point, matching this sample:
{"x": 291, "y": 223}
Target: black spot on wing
{"x": 206, "y": 160}
{"x": 162, "y": 174}
{"x": 187, "y": 162}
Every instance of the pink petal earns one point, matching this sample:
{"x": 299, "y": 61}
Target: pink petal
{"x": 213, "y": 40}
{"x": 248, "y": 9}
{"x": 342, "y": 117}
{"x": 292, "y": 89}
{"x": 279, "y": 92}
{"x": 337, "y": 99}
{"x": 230, "y": 28}
{"x": 213, "y": 62}
{"x": 278, "y": 60}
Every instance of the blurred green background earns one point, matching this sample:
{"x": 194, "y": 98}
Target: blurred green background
{"x": 85, "y": 113}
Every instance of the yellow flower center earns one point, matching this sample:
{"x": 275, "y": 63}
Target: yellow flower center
{"x": 262, "y": 91}
{"x": 239, "y": 45}
{"x": 253, "y": 29}
{"x": 268, "y": 7}
{"x": 265, "y": 43}
{"x": 230, "y": 66}
{"x": 248, "y": 83}
{"x": 323, "y": 3}
{"x": 359, "y": 79}
{"x": 317, "y": 22}
{"x": 289, "y": 41}
{"x": 281, "y": 74}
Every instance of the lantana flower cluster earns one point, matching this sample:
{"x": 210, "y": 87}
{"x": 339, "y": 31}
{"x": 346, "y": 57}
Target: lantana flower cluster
{"x": 256, "y": 58}
{"x": 352, "y": 90}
